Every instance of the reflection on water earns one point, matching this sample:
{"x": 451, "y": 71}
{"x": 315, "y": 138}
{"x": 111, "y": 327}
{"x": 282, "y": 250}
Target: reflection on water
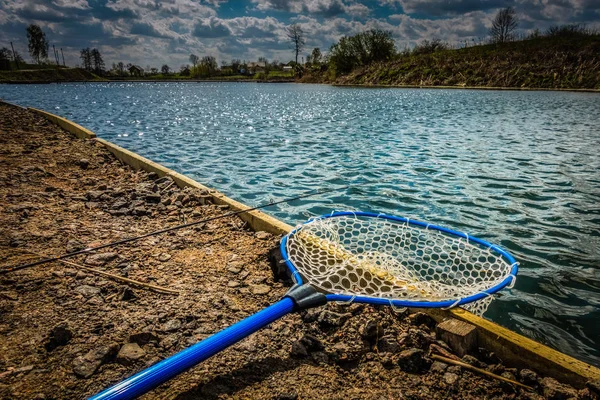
{"x": 519, "y": 169}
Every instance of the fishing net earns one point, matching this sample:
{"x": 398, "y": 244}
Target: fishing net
{"x": 362, "y": 255}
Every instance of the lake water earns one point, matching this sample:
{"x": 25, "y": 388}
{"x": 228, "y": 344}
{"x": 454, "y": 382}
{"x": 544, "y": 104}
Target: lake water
{"x": 520, "y": 169}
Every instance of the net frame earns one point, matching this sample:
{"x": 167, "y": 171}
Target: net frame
{"x": 508, "y": 281}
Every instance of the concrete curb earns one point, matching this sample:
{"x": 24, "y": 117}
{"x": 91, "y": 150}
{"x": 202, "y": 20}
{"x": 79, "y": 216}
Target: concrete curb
{"x": 514, "y": 349}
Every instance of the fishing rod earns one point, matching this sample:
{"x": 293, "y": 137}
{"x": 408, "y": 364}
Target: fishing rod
{"x": 173, "y": 228}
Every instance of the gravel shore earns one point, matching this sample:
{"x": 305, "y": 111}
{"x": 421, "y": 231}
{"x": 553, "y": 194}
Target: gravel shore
{"x": 67, "y": 332}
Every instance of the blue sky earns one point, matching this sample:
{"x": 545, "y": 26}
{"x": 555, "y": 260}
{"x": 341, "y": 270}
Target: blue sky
{"x": 154, "y": 32}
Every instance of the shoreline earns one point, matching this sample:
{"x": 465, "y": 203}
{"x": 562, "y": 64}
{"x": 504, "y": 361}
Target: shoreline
{"x": 508, "y": 345}
{"x": 363, "y": 86}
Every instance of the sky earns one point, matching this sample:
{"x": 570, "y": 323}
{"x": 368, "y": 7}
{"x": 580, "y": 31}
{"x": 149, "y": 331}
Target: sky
{"x": 157, "y": 32}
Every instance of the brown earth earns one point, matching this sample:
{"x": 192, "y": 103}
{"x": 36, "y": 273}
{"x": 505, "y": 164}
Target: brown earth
{"x": 69, "y": 333}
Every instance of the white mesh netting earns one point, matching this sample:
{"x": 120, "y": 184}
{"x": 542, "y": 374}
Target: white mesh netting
{"x": 377, "y": 257}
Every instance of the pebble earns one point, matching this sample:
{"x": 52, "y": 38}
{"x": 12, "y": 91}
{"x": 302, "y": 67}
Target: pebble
{"x": 85, "y": 366}
{"x": 305, "y": 345}
{"x": 233, "y": 284}
{"x": 164, "y": 257}
{"x": 100, "y": 258}
{"x": 262, "y": 235}
{"x": 172, "y": 325}
{"x": 329, "y": 318}
{"x": 130, "y": 353}
{"x": 553, "y": 390}
{"x": 260, "y": 289}
{"x": 450, "y": 378}
{"x": 84, "y": 163}
{"x": 438, "y": 367}
{"x": 87, "y": 291}
{"x": 143, "y": 338}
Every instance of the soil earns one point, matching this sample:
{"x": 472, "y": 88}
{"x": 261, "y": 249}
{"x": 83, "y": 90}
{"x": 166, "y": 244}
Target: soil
{"x": 67, "y": 333}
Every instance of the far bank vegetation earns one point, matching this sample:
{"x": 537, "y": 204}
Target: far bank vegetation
{"x": 564, "y": 56}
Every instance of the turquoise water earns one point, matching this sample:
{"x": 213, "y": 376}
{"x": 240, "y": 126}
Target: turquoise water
{"x": 520, "y": 169}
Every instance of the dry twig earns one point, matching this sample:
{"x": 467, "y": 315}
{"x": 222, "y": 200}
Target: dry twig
{"x": 481, "y": 371}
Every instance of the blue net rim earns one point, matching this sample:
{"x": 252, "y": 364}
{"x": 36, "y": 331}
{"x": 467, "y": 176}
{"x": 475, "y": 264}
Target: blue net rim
{"x": 407, "y": 303}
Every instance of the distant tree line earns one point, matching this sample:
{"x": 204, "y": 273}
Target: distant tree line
{"x": 91, "y": 60}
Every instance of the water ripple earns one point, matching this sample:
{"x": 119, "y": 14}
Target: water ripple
{"x": 517, "y": 168}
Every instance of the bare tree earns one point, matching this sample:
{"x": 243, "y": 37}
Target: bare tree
{"x": 503, "y": 26}
{"x": 296, "y": 35}
{"x": 194, "y": 59}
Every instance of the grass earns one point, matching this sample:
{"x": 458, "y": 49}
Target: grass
{"x": 48, "y": 75}
{"x": 547, "y": 62}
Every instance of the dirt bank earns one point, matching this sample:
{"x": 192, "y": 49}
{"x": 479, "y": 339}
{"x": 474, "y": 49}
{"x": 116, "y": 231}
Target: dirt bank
{"x": 68, "y": 333}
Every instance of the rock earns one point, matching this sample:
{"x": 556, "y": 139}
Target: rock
{"x": 233, "y": 284}
{"x": 84, "y": 163}
{"x": 420, "y": 318}
{"x": 85, "y": 366}
{"x": 260, "y": 289}
{"x": 332, "y": 319}
{"x": 130, "y": 353}
{"x": 140, "y": 211}
{"x": 508, "y": 375}
{"x": 415, "y": 337}
{"x": 172, "y": 325}
{"x": 74, "y": 245}
{"x": 163, "y": 257}
{"x": 94, "y": 195}
{"x": 81, "y": 275}
{"x": 438, "y": 367}
{"x": 143, "y": 338}
{"x": 100, "y": 258}
{"x": 528, "y": 377}
{"x": 262, "y": 235}
{"x": 593, "y": 386}
{"x": 121, "y": 203}
{"x": 553, "y": 390}
{"x": 450, "y": 378}
{"x": 153, "y": 198}
{"x": 308, "y": 343}
{"x": 87, "y": 291}
{"x": 413, "y": 360}
{"x": 371, "y": 331}
{"x": 388, "y": 344}
{"x": 473, "y": 361}
{"x": 128, "y": 295}
{"x": 59, "y": 336}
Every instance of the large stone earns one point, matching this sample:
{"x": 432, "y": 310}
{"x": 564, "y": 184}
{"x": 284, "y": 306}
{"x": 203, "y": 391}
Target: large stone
{"x": 85, "y": 366}
{"x": 413, "y": 360}
{"x": 553, "y": 390}
{"x": 130, "y": 353}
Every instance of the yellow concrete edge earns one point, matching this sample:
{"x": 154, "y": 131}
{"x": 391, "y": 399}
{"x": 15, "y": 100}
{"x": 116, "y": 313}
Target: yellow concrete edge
{"x": 512, "y": 348}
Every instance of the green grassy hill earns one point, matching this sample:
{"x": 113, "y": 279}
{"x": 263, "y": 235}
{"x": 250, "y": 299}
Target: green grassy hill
{"x": 47, "y": 75}
{"x": 547, "y": 62}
